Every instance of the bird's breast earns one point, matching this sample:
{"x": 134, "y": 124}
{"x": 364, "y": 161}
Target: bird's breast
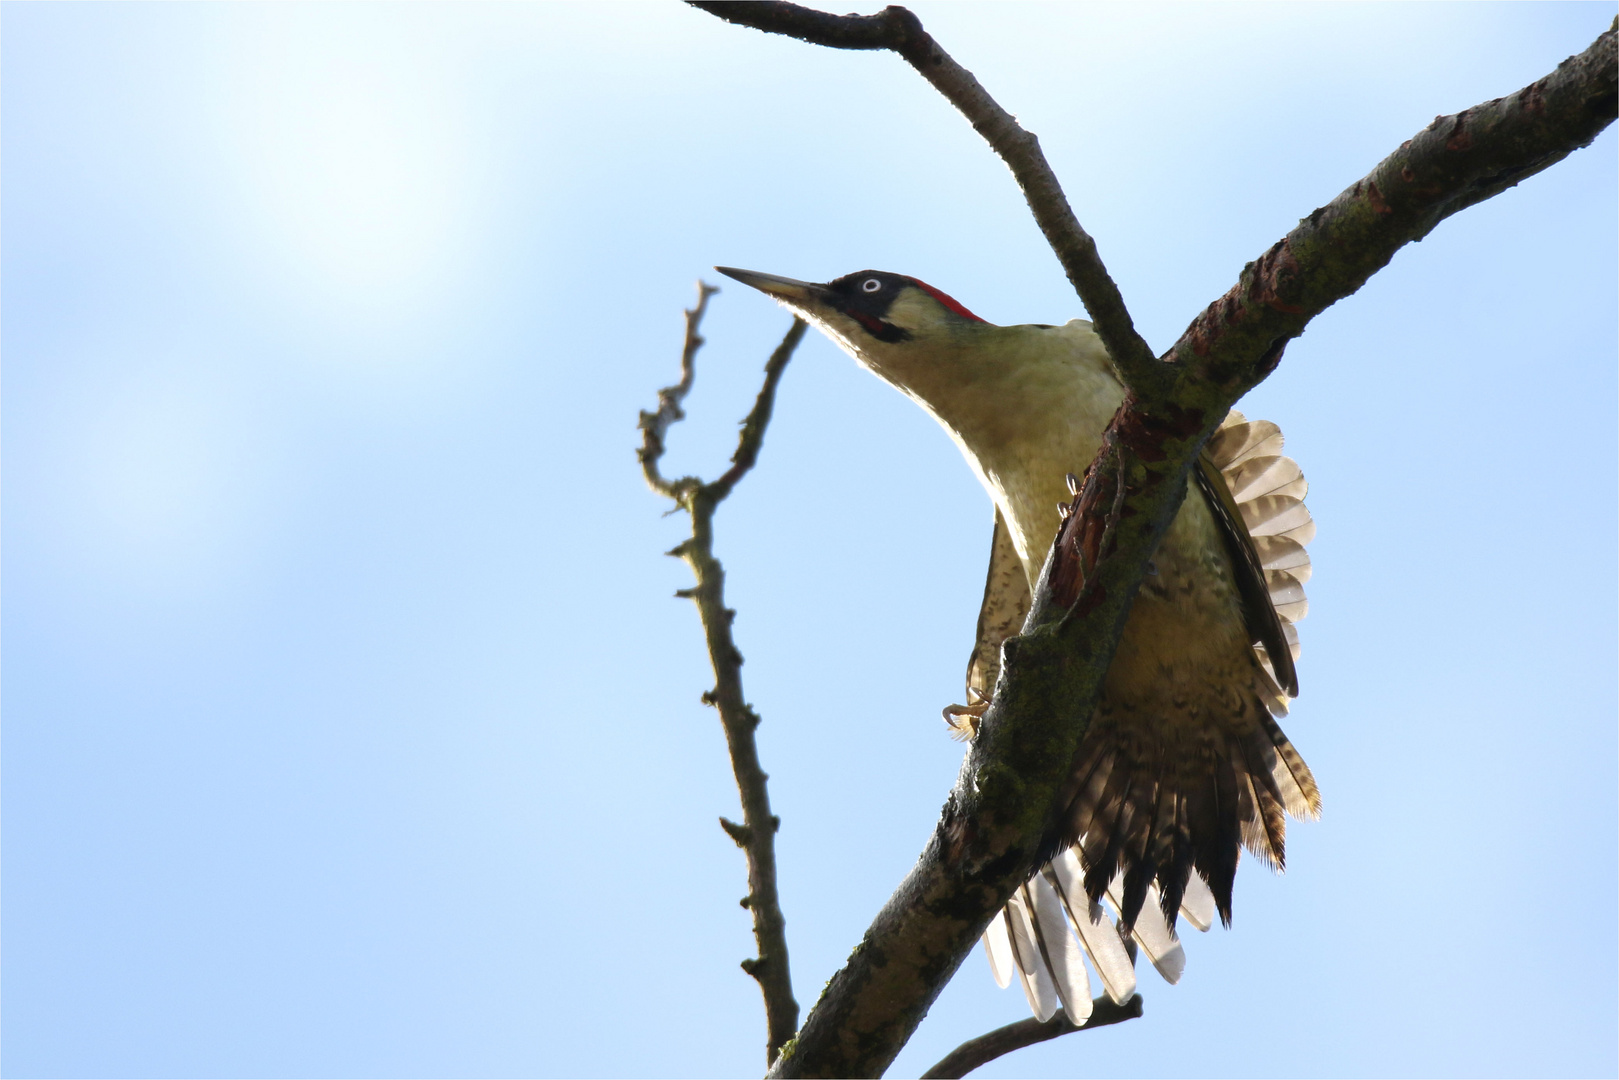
{"x": 1186, "y": 626}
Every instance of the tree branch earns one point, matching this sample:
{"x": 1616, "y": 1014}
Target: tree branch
{"x": 655, "y": 425}
{"x": 1003, "y": 1040}
{"x": 899, "y": 30}
{"x": 753, "y": 428}
{"x": 756, "y": 835}
{"x": 998, "y": 818}
{"x": 1453, "y": 163}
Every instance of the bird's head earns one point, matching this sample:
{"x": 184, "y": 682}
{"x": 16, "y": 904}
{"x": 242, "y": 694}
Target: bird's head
{"x": 889, "y": 322}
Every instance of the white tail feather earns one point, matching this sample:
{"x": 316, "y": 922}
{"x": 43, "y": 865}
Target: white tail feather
{"x": 1098, "y": 937}
{"x": 1059, "y": 950}
{"x": 998, "y": 947}
{"x": 1036, "y": 980}
{"x": 1197, "y": 903}
{"x": 1152, "y": 933}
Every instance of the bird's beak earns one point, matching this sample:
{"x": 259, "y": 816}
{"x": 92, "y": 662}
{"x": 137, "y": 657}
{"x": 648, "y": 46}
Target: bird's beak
{"x": 787, "y": 290}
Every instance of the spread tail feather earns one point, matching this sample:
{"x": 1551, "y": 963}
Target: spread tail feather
{"x": 1101, "y": 942}
{"x": 1058, "y": 950}
{"x": 1033, "y": 972}
{"x": 1153, "y": 933}
{"x": 1157, "y": 843}
{"x": 998, "y": 947}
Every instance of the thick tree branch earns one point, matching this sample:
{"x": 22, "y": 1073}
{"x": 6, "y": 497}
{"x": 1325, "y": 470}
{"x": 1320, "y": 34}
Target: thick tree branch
{"x": 756, "y": 835}
{"x": 996, "y": 822}
{"x": 1453, "y": 163}
{"x": 1003, "y": 1040}
{"x": 899, "y": 30}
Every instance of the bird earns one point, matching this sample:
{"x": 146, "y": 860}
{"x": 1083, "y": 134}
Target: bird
{"x": 1183, "y": 764}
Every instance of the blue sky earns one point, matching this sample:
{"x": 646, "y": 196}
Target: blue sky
{"x": 351, "y": 728}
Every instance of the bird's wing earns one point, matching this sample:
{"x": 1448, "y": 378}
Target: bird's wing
{"x": 1006, "y": 604}
{"x": 1257, "y": 496}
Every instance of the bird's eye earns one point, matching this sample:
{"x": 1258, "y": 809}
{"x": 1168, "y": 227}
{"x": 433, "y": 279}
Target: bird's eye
{"x": 871, "y": 284}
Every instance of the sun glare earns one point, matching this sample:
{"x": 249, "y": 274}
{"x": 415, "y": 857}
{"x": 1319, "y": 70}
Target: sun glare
{"x": 354, "y": 158}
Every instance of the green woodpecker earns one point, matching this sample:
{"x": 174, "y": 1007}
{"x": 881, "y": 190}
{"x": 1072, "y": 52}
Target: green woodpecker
{"x": 1183, "y": 763}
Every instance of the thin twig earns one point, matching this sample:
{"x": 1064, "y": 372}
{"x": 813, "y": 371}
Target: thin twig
{"x": 899, "y": 30}
{"x": 756, "y": 835}
{"x": 753, "y": 428}
{"x": 1003, "y": 1040}
{"x": 655, "y": 425}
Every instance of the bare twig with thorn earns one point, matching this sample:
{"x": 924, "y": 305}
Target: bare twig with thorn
{"x": 756, "y": 835}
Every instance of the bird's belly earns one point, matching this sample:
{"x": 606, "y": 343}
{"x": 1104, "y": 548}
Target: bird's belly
{"x": 1185, "y": 636}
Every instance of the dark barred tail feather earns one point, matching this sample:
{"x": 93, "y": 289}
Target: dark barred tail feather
{"x": 1144, "y": 818}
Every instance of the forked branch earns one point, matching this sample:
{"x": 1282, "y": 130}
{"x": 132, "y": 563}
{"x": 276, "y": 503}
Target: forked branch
{"x": 756, "y": 835}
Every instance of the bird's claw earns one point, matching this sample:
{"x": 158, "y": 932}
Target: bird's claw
{"x": 963, "y": 720}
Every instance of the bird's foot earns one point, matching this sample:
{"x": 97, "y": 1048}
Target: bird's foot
{"x": 963, "y": 720}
